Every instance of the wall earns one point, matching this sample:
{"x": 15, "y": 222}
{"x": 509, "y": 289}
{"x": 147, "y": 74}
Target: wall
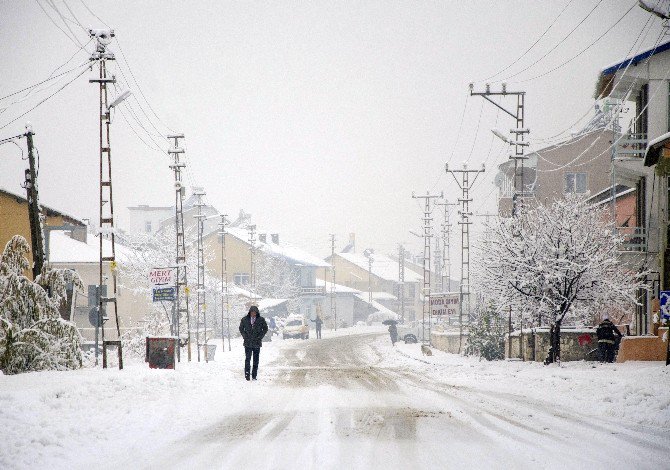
{"x": 449, "y": 342}
{"x": 536, "y": 344}
{"x": 139, "y": 215}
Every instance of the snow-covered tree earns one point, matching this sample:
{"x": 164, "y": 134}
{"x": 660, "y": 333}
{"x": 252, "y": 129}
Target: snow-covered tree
{"x": 555, "y": 261}
{"x": 275, "y": 278}
{"x": 486, "y": 337}
{"x": 33, "y": 335}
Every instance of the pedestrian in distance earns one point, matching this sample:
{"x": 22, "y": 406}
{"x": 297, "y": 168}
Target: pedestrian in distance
{"x": 252, "y": 328}
{"x": 393, "y": 331}
{"x": 318, "y": 322}
{"x": 608, "y": 336}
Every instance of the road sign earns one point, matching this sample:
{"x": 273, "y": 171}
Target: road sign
{"x": 665, "y": 304}
{"x": 445, "y": 304}
{"x": 164, "y": 293}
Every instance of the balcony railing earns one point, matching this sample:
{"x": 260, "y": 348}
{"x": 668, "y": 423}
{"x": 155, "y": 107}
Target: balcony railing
{"x": 320, "y": 290}
{"x": 635, "y": 239}
{"x": 630, "y": 146}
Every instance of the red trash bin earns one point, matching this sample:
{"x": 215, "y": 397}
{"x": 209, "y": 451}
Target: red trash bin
{"x": 161, "y": 352}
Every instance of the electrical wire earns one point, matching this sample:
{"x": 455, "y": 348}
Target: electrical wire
{"x": 583, "y": 50}
{"x": 65, "y": 20}
{"x": 556, "y": 45}
{"x": 93, "y": 14}
{"x": 44, "y": 100}
{"x": 73, "y": 39}
{"x": 123, "y": 56}
{"x": 474, "y": 141}
{"x": 43, "y": 81}
{"x": 531, "y": 46}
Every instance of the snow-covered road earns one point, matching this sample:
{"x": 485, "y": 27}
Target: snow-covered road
{"x": 347, "y": 401}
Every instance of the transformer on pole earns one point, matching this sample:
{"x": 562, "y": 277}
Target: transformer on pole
{"x": 465, "y": 184}
{"x": 181, "y": 283}
{"x": 106, "y": 209}
{"x": 427, "y": 235}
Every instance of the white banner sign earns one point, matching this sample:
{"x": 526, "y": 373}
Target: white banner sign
{"x": 445, "y": 304}
{"x": 161, "y": 277}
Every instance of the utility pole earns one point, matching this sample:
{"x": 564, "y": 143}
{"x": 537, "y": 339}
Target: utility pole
{"x": 181, "y": 301}
{"x": 427, "y": 235}
{"x": 106, "y": 213}
{"x": 445, "y": 281}
{"x": 368, "y": 252}
{"x": 333, "y": 303}
{"x": 465, "y": 184}
{"x": 252, "y": 259}
{"x": 401, "y": 282}
{"x": 519, "y": 142}
{"x": 224, "y": 282}
{"x": 36, "y": 233}
{"x": 200, "y": 289}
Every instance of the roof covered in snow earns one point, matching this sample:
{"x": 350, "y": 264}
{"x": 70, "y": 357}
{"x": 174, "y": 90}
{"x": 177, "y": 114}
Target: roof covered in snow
{"x": 382, "y": 267}
{"x": 65, "y": 249}
{"x": 339, "y": 289}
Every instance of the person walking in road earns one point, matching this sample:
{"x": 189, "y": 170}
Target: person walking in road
{"x": 252, "y": 328}
{"x": 319, "y": 322}
{"x": 393, "y": 331}
{"x": 608, "y": 335}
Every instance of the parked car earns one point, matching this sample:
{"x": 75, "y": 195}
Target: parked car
{"x": 295, "y": 327}
{"x": 412, "y": 332}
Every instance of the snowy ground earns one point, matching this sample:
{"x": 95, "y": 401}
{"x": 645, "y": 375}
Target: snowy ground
{"x": 349, "y": 400}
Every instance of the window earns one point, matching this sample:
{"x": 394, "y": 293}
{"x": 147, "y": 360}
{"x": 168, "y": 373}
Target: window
{"x": 575, "y": 182}
{"x": 241, "y": 279}
{"x": 147, "y": 226}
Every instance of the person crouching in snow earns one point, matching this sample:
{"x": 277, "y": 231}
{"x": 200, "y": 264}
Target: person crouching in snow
{"x": 608, "y": 334}
{"x": 252, "y": 328}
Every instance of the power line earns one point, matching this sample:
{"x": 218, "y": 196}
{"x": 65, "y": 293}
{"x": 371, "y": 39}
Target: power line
{"x": 91, "y": 12}
{"x": 531, "y": 46}
{"x": 557, "y": 45}
{"x": 45, "y": 99}
{"x": 74, "y": 40}
{"x": 583, "y": 50}
{"x": 43, "y": 81}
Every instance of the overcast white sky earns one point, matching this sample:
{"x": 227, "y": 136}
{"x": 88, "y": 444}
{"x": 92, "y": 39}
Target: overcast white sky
{"x": 316, "y": 117}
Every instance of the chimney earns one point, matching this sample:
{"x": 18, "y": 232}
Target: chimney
{"x": 262, "y": 237}
{"x": 352, "y": 242}
{"x": 275, "y": 238}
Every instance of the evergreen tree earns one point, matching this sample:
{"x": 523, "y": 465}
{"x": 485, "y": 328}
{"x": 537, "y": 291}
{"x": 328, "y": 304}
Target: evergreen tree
{"x": 487, "y": 335}
{"x": 33, "y": 336}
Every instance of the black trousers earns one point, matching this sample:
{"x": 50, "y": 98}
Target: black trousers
{"x": 247, "y": 360}
{"x": 318, "y": 331}
{"x": 607, "y": 351}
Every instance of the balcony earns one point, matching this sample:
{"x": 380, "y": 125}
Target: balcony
{"x": 320, "y": 290}
{"x": 635, "y": 239}
{"x": 631, "y": 146}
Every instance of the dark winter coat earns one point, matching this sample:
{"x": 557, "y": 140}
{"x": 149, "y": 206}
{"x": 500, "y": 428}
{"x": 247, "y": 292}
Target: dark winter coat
{"x": 253, "y": 336}
{"x": 607, "y": 332}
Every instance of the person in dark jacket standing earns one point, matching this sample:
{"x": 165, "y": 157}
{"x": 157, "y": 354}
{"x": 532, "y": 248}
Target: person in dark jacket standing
{"x": 252, "y": 328}
{"x": 608, "y": 335}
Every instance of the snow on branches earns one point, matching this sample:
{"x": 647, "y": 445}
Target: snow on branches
{"x": 555, "y": 261}
{"x": 33, "y": 336}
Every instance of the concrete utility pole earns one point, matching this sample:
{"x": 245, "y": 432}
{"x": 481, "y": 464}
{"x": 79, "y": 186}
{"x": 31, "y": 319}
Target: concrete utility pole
{"x": 519, "y": 142}
{"x": 333, "y": 303}
{"x": 427, "y": 235}
{"x": 106, "y": 213}
{"x": 252, "y": 259}
{"x": 465, "y": 184}
{"x": 181, "y": 301}
{"x": 36, "y": 233}
{"x": 200, "y": 289}
{"x": 401, "y": 282}
{"x": 368, "y": 254}
{"x": 225, "y": 304}
{"x": 445, "y": 273}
